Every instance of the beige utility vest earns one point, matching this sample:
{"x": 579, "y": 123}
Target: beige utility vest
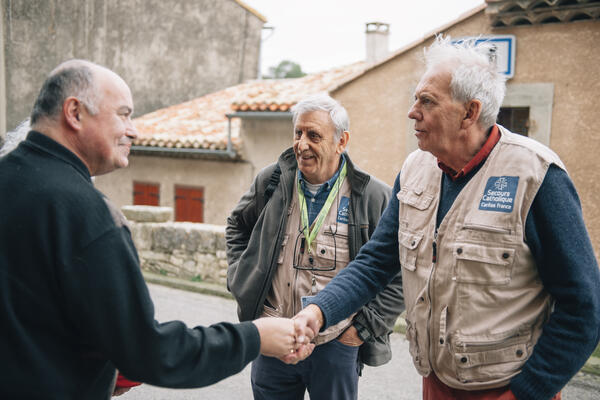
{"x": 473, "y": 315}
{"x": 330, "y": 248}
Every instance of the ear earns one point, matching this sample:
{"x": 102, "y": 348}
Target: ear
{"x": 472, "y": 113}
{"x": 72, "y": 112}
{"x": 343, "y": 142}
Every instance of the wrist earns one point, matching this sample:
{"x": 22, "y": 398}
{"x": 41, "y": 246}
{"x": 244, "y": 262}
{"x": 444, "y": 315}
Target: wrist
{"x": 317, "y": 313}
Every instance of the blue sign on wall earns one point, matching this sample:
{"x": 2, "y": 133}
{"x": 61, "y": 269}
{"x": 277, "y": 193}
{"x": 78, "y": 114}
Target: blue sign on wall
{"x": 505, "y": 51}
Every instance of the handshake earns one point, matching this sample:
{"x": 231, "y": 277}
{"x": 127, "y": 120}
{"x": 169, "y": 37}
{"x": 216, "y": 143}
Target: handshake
{"x": 290, "y": 339}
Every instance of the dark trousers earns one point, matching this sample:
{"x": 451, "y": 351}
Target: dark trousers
{"x": 330, "y": 373}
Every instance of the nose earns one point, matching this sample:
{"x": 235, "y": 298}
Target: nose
{"x": 414, "y": 113}
{"x": 302, "y": 143}
{"x": 131, "y": 131}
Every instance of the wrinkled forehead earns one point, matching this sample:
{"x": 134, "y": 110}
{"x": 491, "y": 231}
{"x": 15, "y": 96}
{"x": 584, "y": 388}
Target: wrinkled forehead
{"x": 315, "y": 117}
{"x": 435, "y": 79}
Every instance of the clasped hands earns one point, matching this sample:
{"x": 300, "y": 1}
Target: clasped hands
{"x": 290, "y": 339}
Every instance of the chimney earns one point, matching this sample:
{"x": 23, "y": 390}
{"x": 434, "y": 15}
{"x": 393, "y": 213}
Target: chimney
{"x": 377, "y": 41}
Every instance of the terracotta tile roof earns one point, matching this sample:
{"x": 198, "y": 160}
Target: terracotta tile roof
{"x": 202, "y": 123}
{"x": 282, "y": 94}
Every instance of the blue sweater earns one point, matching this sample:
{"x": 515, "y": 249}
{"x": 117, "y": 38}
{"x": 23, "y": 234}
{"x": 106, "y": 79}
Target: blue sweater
{"x": 561, "y": 247}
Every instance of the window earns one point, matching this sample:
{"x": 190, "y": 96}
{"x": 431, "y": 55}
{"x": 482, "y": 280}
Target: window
{"x": 515, "y": 119}
{"x": 189, "y": 204}
{"x": 146, "y": 194}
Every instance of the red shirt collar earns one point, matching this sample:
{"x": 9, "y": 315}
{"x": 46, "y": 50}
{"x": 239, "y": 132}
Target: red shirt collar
{"x": 481, "y": 155}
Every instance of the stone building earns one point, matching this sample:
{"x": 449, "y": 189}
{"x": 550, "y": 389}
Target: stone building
{"x": 168, "y": 51}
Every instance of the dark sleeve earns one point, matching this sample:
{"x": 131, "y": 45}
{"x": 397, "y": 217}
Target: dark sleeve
{"x": 108, "y": 301}
{"x": 560, "y": 244}
{"x": 241, "y": 222}
{"x": 377, "y": 317}
{"x": 375, "y": 265}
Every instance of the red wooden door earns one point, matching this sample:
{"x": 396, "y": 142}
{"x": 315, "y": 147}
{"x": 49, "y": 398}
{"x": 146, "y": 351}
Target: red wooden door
{"x": 146, "y": 194}
{"x": 189, "y": 204}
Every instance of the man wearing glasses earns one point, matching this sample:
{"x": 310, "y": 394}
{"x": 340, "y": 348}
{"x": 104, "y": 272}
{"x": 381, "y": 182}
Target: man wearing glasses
{"x": 302, "y": 221}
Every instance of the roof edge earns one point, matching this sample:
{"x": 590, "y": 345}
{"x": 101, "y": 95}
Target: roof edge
{"x": 415, "y": 43}
{"x": 252, "y": 10}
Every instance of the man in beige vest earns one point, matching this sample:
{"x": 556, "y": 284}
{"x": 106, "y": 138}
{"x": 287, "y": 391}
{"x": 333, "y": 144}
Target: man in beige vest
{"x": 500, "y": 280}
{"x": 303, "y": 220}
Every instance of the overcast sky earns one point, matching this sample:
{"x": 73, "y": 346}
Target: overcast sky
{"x": 321, "y": 34}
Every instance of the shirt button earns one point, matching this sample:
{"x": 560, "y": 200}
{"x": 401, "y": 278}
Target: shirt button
{"x": 463, "y": 360}
{"x": 505, "y": 255}
{"x": 459, "y": 251}
{"x": 310, "y": 260}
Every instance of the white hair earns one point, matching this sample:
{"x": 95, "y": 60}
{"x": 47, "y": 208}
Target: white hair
{"x": 324, "y": 102}
{"x": 14, "y": 137}
{"x": 474, "y": 73}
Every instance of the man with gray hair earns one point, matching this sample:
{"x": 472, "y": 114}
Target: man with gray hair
{"x": 74, "y": 306}
{"x": 501, "y": 284}
{"x": 303, "y": 219}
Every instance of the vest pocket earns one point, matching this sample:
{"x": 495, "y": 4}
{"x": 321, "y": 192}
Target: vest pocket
{"x": 415, "y": 197}
{"x": 481, "y": 359}
{"x": 417, "y": 355}
{"x": 408, "y": 249}
{"x": 483, "y": 265}
{"x": 328, "y": 254}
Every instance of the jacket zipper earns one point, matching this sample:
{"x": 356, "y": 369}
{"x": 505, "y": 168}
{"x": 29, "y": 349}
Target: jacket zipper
{"x": 277, "y": 243}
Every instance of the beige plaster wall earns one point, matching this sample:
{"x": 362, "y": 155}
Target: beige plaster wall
{"x": 265, "y": 139}
{"x": 224, "y": 182}
{"x": 565, "y": 55}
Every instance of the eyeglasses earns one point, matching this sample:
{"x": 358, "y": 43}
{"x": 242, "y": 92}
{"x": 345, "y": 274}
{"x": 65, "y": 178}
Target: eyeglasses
{"x": 299, "y": 253}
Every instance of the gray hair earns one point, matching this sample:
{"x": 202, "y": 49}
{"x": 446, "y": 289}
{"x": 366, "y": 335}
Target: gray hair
{"x": 323, "y": 102}
{"x": 14, "y": 137}
{"x": 474, "y": 73}
{"x": 71, "y": 78}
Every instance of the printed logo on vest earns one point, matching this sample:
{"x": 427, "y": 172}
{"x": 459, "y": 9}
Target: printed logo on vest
{"x": 343, "y": 211}
{"x": 499, "y": 194}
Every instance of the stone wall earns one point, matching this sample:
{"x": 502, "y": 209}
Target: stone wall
{"x": 168, "y": 51}
{"x": 181, "y": 249}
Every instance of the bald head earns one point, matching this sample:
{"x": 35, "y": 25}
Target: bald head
{"x": 73, "y": 78}
{"x": 87, "y": 108}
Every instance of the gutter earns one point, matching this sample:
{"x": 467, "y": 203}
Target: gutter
{"x": 229, "y": 152}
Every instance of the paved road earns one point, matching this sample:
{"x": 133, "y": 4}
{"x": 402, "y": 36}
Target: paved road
{"x": 396, "y": 380}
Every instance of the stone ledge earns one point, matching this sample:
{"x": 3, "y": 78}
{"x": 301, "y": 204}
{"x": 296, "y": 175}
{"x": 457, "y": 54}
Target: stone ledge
{"x": 147, "y": 213}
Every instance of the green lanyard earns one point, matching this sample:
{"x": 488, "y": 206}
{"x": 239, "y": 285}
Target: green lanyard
{"x": 311, "y": 234}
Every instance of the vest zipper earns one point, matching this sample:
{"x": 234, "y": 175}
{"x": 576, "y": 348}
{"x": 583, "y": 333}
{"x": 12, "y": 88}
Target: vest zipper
{"x": 434, "y": 245}
{"x": 434, "y": 260}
